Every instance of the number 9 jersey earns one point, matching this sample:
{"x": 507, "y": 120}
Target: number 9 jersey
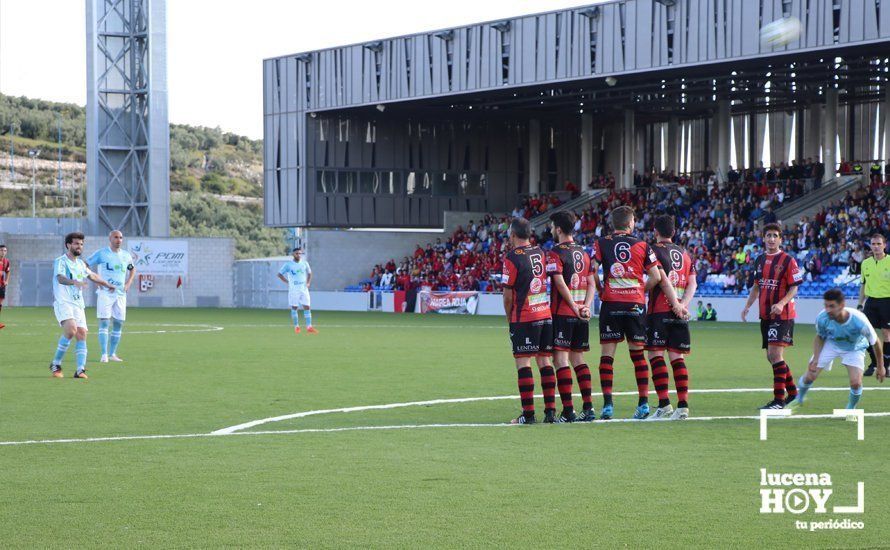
{"x": 525, "y": 273}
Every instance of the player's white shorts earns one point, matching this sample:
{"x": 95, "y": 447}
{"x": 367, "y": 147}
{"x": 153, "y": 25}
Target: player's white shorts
{"x": 65, "y": 311}
{"x": 298, "y": 297}
{"x": 111, "y": 304}
{"x": 830, "y": 352}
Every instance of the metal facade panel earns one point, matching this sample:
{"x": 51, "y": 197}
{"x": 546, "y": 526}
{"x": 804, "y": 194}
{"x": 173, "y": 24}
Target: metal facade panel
{"x": 870, "y": 19}
{"x": 749, "y": 28}
{"x": 527, "y": 49}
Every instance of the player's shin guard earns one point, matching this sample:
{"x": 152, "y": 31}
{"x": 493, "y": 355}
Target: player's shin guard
{"x": 779, "y": 372}
{"x": 564, "y": 385}
{"x": 295, "y": 317}
{"x": 307, "y": 315}
{"x": 585, "y": 385}
{"x": 641, "y": 369}
{"x": 60, "y": 350}
{"x": 103, "y": 336}
{"x": 605, "y": 378}
{"x": 526, "y": 390}
{"x": 661, "y": 379}
{"x": 80, "y": 349}
{"x": 789, "y": 383}
{"x": 117, "y": 327}
{"x": 548, "y": 387}
{"x": 681, "y": 381}
{"x": 855, "y": 396}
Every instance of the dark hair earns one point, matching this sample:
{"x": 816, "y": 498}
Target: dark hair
{"x": 2, "y": 246}
{"x": 709, "y": 304}
{"x": 521, "y": 228}
{"x": 69, "y": 238}
{"x": 296, "y": 248}
{"x": 874, "y": 236}
{"x": 771, "y": 227}
{"x": 565, "y": 221}
{"x": 621, "y": 217}
{"x": 665, "y": 226}
{"x": 834, "y": 295}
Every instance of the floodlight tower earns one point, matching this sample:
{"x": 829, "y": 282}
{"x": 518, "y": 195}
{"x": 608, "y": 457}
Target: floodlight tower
{"x": 128, "y": 139}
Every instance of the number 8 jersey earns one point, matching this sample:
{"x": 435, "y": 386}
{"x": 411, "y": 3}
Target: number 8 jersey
{"x": 625, "y": 259}
{"x": 525, "y": 273}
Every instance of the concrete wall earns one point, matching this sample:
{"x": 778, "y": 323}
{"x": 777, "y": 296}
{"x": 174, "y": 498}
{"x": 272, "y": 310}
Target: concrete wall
{"x": 208, "y": 283}
{"x": 42, "y": 226}
{"x": 340, "y": 258}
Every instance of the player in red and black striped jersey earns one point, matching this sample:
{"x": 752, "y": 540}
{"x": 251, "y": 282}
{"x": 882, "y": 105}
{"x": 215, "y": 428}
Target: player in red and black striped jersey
{"x": 4, "y": 277}
{"x": 776, "y": 280}
{"x": 665, "y": 330}
{"x": 528, "y": 313}
{"x": 571, "y": 284}
{"x": 626, "y": 260}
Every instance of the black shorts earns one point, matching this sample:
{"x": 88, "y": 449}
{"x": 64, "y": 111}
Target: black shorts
{"x": 620, "y": 320}
{"x": 777, "y": 332}
{"x": 878, "y": 312}
{"x": 570, "y": 333}
{"x": 532, "y": 338}
{"x": 667, "y": 331}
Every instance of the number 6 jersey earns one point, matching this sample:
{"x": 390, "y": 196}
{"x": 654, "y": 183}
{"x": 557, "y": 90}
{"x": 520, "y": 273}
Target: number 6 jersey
{"x": 525, "y": 273}
{"x": 625, "y": 259}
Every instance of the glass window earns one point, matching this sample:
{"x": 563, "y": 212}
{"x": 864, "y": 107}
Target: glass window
{"x": 446, "y": 185}
{"x": 419, "y": 183}
{"x": 326, "y": 181}
{"x": 391, "y": 183}
{"x": 472, "y": 184}
{"x": 370, "y": 182}
{"x": 347, "y": 182}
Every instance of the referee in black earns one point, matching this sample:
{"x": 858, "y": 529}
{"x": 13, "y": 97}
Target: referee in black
{"x": 874, "y": 295}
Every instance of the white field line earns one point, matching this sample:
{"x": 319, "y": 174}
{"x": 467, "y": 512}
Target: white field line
{"x": 393, "y": 427}
{"x": 190, "y": 328}
{"x": 253, "y": 423}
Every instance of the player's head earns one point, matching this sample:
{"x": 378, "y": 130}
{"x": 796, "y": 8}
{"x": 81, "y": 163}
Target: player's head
{"x": 115, "y": 239}
{"x": 298, "y": 253}
{"x": 622, "y": 218}
{"x": 520, "y": 232}
{"x": 664, "y": 227}
{"x": 562, "y": 224}
{"x": 2, "y": 251}
{"x": 772, "y": 236}
{"x": 878, "y": 243}
{"x": 709, "y": 305}
{"x": 834, "y": 302}
{"x": 74, "y": 243}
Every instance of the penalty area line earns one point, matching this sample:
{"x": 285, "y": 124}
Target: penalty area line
{"x": 388, "y": 427}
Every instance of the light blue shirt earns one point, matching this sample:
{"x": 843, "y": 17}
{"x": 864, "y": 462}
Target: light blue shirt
{"x": 856, "y": 334}
{"x": 73, "y": 269}
{"x": 112, "y": 266}
{"x": 297, "y": 273}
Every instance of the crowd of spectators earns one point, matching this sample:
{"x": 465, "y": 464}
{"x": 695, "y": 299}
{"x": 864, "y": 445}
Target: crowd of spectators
{"x": 716, "y": 223}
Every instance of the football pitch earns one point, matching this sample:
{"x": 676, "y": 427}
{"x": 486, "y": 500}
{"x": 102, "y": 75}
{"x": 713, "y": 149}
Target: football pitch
{"x": 224, "y": 428}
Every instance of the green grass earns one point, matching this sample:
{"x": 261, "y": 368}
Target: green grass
{"x": 692, "y": 484}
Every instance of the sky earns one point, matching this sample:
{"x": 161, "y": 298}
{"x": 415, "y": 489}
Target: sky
{"x": 215, "y": 47}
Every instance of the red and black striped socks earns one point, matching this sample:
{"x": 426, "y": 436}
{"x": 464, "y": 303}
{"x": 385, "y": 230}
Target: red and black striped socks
{"x": 780, "y": 372}
{"x": 527, "y": 391}
{"x": 585, "y": 383}
{"x": 641, "y": 370}
{"x": 606, "y": 378}
{"x": 564, "y": 385}
{"x": 790, "y": 386}
{"x": 681, "y": 382}
{"x": 661, "y": 379}
{"x": 548, "y": 385}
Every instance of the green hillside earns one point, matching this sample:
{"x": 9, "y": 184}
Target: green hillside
{"x": 215, "y": 176}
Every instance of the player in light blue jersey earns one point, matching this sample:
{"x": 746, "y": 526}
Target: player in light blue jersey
{"x": 115, "y": 265}
{"x": 841, "y": 333}
{"x": 297, "y": 275}
{"x": 70, "y": 275}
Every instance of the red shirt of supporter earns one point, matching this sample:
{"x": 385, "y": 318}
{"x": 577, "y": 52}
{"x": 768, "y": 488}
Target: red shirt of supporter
{"x": 525, "y": 273}
{"x": 572, "y": 262}
{"x": 625, "y": 260}
{"x": 678, "y": 268}
{"x": 776, "y": 274}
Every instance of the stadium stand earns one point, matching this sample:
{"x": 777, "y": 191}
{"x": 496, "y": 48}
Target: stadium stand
{"x": 717, "y": 223}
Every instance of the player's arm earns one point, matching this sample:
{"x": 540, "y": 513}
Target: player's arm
{"x": 780, "y": 305}
{"x": 131, "y": 274}
{"x": 691, "y": 287}
{"x": 508, "y": 301}
{"x": 308, "y": 276}
{"x": 654, "y": 279}
{"x": 752, "y": 297}
{"x": 98, "y": 280}
{"x": 678, "y": 308}
{"x": 861, "y": 304}
{"x": 563, "y": 290}
{"x": 281, "y": 275}
{"x": 818, "y": 344}
{"x": 63, "y": 278}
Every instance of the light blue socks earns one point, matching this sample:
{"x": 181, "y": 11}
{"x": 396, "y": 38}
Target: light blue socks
{"x": 103, "y": 336}
{"x": 60, "y": 350}
{"x": 116, "y": 328}
{"x": 855, "y": 396}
